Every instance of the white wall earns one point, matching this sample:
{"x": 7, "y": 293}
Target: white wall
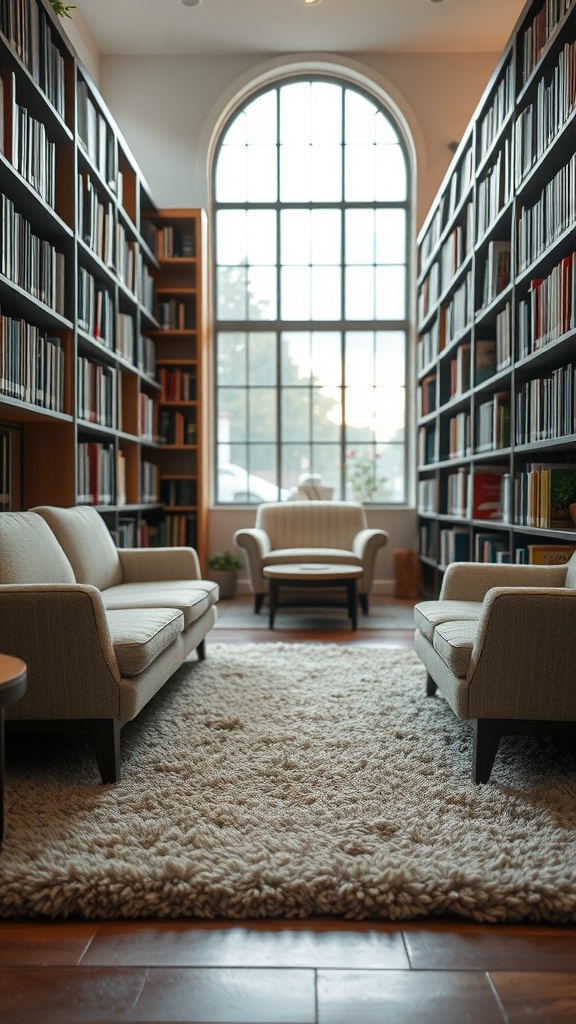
{"x": 168, "y": 108}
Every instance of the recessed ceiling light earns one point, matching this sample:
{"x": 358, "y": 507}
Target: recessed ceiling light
{"x": 309, "y": 3}
{"x": 190, "y": 3}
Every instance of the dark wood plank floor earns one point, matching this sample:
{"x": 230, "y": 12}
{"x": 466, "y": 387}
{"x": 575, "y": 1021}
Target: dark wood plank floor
{"x": 316, "y": 971}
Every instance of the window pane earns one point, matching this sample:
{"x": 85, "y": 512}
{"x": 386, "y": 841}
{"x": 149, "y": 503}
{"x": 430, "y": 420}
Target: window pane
{"x": 262, "y": 293}
{"x": 262, "y": 414}
{"x": 295, "y": 173}
{"x": 391, "y": 179}
{"x": 326, "y": 304}
{"x": 360, "y": 118}
{"x": 231, "y": 237}
{"x": 359, "y": 357}
{"x": 295, "y": 411}
{"x": 360, "y": 242}
{"x": 236, "y": 133}
{"x": 295, "y": 113}
{"x": 231, "y": 349}
{"x": 326, "y": 462}
{"x": 261, "y": 236}
{"x": 390, "y": 236}
{"x": 390, "y": 293}
{"x": 232, "y": 296}
{"x": 296, "y": 461}
{"x": 295, "y": 236}
{"x": 326, "y": 414}
{"x": 326, "y": 236}
{"x": 360, "y": 293}
{"x": 262, "y": 358}
{"x": 262, "y": 174}
{"x": 232, "y": 414}
{"x": 359, "y": 171}
{"x": 326, "y": 174}
{"x": 295, "y": 293}
{"x": 389, "y": 413}
{"x": 326, "y": 112}
{"x": 261, "y": 128}
{"x": 390, "y": 361}
{"x": 296, "y": 360}
{"x": 231, "y": 175}
{"x": 327, "y": 358}
{"x": 392, "y": 469}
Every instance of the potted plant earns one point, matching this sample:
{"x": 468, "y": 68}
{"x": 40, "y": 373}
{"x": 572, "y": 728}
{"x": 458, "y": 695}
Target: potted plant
{"x": 224, "y": 566}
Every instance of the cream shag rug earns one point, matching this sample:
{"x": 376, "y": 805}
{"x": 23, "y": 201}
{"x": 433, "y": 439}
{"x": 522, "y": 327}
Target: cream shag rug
{"x": 285, "y": 780}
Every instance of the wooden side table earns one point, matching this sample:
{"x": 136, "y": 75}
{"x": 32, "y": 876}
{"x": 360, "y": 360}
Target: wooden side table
{"x": 12, "y": 687}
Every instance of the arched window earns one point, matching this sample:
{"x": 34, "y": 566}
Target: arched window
{"x": 311, "y": 228}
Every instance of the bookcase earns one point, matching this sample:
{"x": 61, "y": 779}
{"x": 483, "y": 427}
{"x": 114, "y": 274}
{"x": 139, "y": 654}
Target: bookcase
{"x": 83, "y": 279}
{"x": 496, "y": 311}
{"x": 179, "y": 240}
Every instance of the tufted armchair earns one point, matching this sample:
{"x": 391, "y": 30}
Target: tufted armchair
{"x": 500, "y": 645}
{"x": 333, "y": 532}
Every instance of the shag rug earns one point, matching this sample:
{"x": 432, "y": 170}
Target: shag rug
{"x": 287, "y": 780}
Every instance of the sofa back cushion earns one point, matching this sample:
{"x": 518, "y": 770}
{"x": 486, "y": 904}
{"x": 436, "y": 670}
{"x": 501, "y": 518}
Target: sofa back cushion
{"x": 29, "y": 551}
{"x": 306, "y": 524}
{"x": 85, "y": 538}
{"x": 570, "y": 580}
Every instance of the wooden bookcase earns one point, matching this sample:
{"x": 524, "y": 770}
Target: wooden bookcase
{"x": 79, "y": 393}
{"x": 179, "y": 239}
{"x": 497, "y": 316}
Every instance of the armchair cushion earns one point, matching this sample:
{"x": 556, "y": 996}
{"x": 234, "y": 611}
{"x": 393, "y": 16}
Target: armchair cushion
{"x": 454, "y": 641}
{"x": 429, "y": 614}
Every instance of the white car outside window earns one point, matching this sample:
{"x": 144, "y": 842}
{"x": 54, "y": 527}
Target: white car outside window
{"x": 236, "y": 485}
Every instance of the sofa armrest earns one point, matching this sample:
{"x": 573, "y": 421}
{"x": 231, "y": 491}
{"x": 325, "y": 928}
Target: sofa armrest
{"x": 61, "y": 632}
{"x": 470, "y": 581}
{"x": 144, "y": 565}
{"x": 522, "y": 662}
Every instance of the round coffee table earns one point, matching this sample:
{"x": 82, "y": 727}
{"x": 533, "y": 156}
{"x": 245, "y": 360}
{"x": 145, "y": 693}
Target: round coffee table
{"x": 12, "y": 687}
{"x": 310, "y": 574}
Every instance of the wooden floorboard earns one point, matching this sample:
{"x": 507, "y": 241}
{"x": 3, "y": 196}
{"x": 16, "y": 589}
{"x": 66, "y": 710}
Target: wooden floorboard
{"x": 315, "y": 971}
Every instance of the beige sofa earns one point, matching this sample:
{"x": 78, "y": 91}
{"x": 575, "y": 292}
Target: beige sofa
{"x": 333, "y": 532}
{"x": 500, "y": 645}
{"x": 101, "y": 629}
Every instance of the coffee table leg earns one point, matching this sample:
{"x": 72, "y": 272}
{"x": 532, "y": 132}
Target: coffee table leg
{"x": 272, "y": 599}
{"x": 352, "y": 604}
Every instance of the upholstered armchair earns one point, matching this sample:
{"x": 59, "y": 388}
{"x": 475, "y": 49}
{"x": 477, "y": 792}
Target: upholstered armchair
{"x": 333, "y": 532}
{"x": 500, "y": 646}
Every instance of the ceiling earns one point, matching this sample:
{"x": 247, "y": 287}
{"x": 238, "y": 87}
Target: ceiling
{"x": 288, "y": 26}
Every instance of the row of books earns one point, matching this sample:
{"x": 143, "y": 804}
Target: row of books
{"x": 176, "y": 530}
{"x": 427, "y": 445}
{"x": 95, "y": 308}
{"x": 31, "y": 262}
{"x": 428, "y": 495}
{"x": 539, "y": 31}
{"x": 496, "y": 270}
{"x": 179, "y": 492}
{"x": 457, "y": 314}
{"x": 459, "y": 437}
{"x": 176, "y": 428}
{"x": 538, "y": 226}
{"x": 541, "y": 121}
{"x": 501, "y": 104}
{"x": 546, "y": 407}
{"x": 550, "y": 309}
{"x": 97, "y": 393}
{"x": 5, "y": 470}
{"x": 543, "y": 494}
{"x": 494, "y": 189}
{"x": 175, "y": 315}
{"x": 457, "y": 545}
{"x": 147, "y": 417}
{"x": 477, "y": 495}
{"x": 149, "y": 482}
{"x": 176, "y": 384}
{"x": 25, "y": 142}
{"x": 96, "y": 470}
{"x": 457, "y": 188}
{"x": 127, "y": 260}
{"x": 493, "y": 423}
{"x": 96, "y": 220}
{"x": 27, "y": 27}
{"x": 457, "y": 247}
{"x": 31, "y": 364}
{"x": 173, "y": 243}
{"x": 96, "y": 135}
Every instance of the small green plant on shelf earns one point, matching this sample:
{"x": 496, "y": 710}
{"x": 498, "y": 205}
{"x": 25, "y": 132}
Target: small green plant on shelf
{"x": 62, "y": 9}
{"x": 225, "y": 561}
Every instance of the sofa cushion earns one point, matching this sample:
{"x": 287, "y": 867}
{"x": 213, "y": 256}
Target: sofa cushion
{"x": 85, "y": 538}
{"x": 192, "y": 603}
{"x": 29, "y": 551}
{"x": 453, "y": 642}
{"x": 291, "y": 556}
{"x": 139, "y": 635}
{"x": 429, "y": 614}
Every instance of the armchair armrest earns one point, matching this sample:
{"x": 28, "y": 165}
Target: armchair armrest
{"x": 522, "y": 662}
{"x": 470, "y": 581}
{"x": 144, "y": 565}
{"x": 253, "y": 540}
{"x": 61, "y": 632}
{"x": 368, "y": 541}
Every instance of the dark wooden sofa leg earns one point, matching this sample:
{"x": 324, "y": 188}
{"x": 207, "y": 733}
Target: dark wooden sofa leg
{"x": 104, "y": 737}
{"x": 363, "y": 599}
{"x": 487, "y": 735}
{"x": 201, "y": 650}
{"x": 430, "y": 686}
{"x": 258, "y": 602}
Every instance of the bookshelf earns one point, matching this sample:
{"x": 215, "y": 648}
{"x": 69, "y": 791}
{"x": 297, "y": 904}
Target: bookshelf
{"x": 84, "y": 275}
{"x": 496, "y": 313}
{"x": 179, "y": 240}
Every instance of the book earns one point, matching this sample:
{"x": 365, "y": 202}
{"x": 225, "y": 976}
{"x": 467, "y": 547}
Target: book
{"x": 550, "y": 554}
{"x": 486, "y": 495}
